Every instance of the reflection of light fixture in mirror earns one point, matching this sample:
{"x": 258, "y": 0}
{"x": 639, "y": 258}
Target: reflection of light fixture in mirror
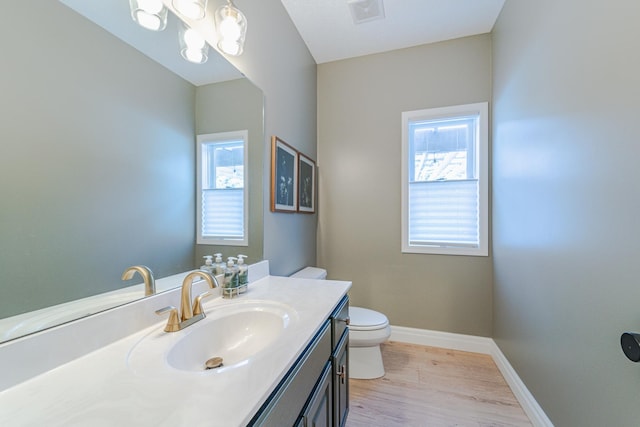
{"x": 150, "y": 14}
{"x": 192, "y": 9}
{"x": 193, "y": 46}
{"x": 231, "y": 26}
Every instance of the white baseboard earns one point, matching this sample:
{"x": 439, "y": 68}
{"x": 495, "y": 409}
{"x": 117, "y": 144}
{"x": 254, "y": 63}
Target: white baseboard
{"x": 481, "y": 345}
{"x": 441, "y": 339}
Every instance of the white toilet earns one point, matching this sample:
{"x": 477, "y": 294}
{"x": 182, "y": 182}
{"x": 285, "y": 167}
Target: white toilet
{"x": 367, "y": 330}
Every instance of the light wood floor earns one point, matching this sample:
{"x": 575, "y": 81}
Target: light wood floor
{"x": 432, "y": 387}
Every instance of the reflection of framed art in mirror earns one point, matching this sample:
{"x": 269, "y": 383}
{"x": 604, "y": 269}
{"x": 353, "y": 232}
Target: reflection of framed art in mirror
{"x": 284, "y": 176}
{"x": 306, "y": 184}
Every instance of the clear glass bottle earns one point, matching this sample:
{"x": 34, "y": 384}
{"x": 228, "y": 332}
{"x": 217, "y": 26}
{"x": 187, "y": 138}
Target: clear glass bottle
{"x": 243, "y": 271}
{"x": 208, "y": 264}
{"x": 231, "y": 274}
{"x": 219, "y": 265}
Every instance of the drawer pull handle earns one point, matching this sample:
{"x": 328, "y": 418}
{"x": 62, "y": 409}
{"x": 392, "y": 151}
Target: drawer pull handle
{"x": 342, "y": 373}
{"x": 345, "y": 320}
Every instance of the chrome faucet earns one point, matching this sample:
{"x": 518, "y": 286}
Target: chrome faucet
{"x": 147, "y": 277}
{"x": 189, "y": 314}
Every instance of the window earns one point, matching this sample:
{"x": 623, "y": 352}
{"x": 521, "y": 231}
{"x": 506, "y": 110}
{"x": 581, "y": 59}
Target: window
{"x": 444, "y": 180}
{"x": 222, "y": 189}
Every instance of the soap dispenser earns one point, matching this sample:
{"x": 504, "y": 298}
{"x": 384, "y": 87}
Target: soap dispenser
{"x": 231, "y": 275}
{"x": 219, "y": 266}
{"x": 243, "y": 273}
{"x": 208, "y": 264}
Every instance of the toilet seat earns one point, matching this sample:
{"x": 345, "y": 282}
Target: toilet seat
{"x": 367, "y": 328}
{"x": 363, "y": 319}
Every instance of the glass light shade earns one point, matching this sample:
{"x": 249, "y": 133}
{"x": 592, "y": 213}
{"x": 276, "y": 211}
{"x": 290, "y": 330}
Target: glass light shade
{"x": 231, "y": 27}
{"x": 149, "y": 14}
{"x": 192, "y": 9}
{"x": 193, "y": 47}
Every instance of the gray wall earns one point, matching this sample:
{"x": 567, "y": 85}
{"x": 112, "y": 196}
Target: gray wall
{"x": 230, "y": 106}
{"x": 96, "y": 160}
{"x": 277, "y": 60}
{"x": 566, "y": 90}
{"x": 360, "y": 102}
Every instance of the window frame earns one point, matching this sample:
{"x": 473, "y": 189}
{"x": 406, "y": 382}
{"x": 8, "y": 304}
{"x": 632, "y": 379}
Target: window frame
{"x": 480, "y": 109}
{"x": 222, "y": 137}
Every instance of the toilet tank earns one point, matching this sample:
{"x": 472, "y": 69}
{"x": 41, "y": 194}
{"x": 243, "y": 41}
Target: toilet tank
{"x": 311, "y": 273}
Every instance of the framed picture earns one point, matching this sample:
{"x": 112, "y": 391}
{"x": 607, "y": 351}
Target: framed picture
{"x": 284, "y": 176}
{"x": 306, "y": 184}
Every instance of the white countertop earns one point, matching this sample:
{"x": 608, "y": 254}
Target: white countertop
{"x": 100, "y": 389}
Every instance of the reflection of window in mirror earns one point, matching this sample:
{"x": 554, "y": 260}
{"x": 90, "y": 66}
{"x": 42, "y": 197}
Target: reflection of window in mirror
{"x": 222, "y": 208}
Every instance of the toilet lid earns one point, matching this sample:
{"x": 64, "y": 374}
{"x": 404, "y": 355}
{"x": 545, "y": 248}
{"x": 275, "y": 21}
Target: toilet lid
{"x": 363, "y": 318}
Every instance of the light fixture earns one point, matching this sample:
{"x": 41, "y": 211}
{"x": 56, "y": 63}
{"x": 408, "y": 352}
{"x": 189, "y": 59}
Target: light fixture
{"x": 192, "y": 9}
{"x": 193, "y": 47}
{"x": 150, "y": 14}
{"x": 231, "y": 26}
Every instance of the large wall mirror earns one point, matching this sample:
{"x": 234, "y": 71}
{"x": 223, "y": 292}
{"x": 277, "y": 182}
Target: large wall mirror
{"x": 97, "y": 157}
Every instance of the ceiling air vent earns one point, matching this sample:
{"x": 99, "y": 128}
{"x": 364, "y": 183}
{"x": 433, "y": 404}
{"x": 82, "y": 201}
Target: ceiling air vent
{"x": 366, "y": 10}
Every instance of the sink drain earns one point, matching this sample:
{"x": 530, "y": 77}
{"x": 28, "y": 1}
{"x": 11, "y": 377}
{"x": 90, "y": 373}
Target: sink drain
{"x": 214, "y": 362}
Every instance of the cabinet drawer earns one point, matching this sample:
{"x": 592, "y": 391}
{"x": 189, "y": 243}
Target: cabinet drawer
{"x": 339, "y": 321}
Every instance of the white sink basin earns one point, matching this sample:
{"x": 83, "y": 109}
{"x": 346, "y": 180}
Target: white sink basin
{"x": 236, "y": 331}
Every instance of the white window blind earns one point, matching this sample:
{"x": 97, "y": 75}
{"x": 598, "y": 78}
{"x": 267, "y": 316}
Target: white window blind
{"x": 443, "y": 213}
{"x": 444, "y": 179}
{"x": 222, "y": 213}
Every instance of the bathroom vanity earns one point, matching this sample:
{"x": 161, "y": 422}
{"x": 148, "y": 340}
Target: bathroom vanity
{"x": 315, "y": 391}
{"x": 290, "y": 369}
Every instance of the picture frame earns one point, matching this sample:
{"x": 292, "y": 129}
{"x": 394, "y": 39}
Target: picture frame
{"x": 306, "y": 184}
{"x": 284, "y": 176}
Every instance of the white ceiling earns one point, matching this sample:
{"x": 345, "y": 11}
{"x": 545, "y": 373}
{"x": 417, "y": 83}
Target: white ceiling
{"x": 328, "y": 29}
{"x": 326, "y": 26}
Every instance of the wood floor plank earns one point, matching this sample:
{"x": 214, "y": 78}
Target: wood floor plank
{"x": 434, "y": 387}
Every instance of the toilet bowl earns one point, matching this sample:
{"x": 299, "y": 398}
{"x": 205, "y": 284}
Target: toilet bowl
{"x": 367, "y": 330}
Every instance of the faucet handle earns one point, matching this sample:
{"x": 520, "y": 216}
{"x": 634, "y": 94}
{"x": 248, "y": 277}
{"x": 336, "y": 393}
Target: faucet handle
{"x": 197, "y": 304}
{"x": 173, "y": 324}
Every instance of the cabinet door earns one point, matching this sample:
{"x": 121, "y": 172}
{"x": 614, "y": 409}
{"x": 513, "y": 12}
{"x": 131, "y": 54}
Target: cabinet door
{"x": 287, "y": 402}
{"x": 319, "y": 409}
{"x": 340, "y": 360}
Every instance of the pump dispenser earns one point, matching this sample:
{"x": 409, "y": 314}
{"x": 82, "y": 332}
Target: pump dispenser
{"x": 231, "y": 274}
{"x": 243, "y": 273}
{"x": 219, "y": 266}
{"x": 208, "y": 264}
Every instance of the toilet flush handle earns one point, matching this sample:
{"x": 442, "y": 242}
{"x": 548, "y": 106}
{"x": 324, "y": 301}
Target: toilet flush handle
{"x": 346, "y": 320}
